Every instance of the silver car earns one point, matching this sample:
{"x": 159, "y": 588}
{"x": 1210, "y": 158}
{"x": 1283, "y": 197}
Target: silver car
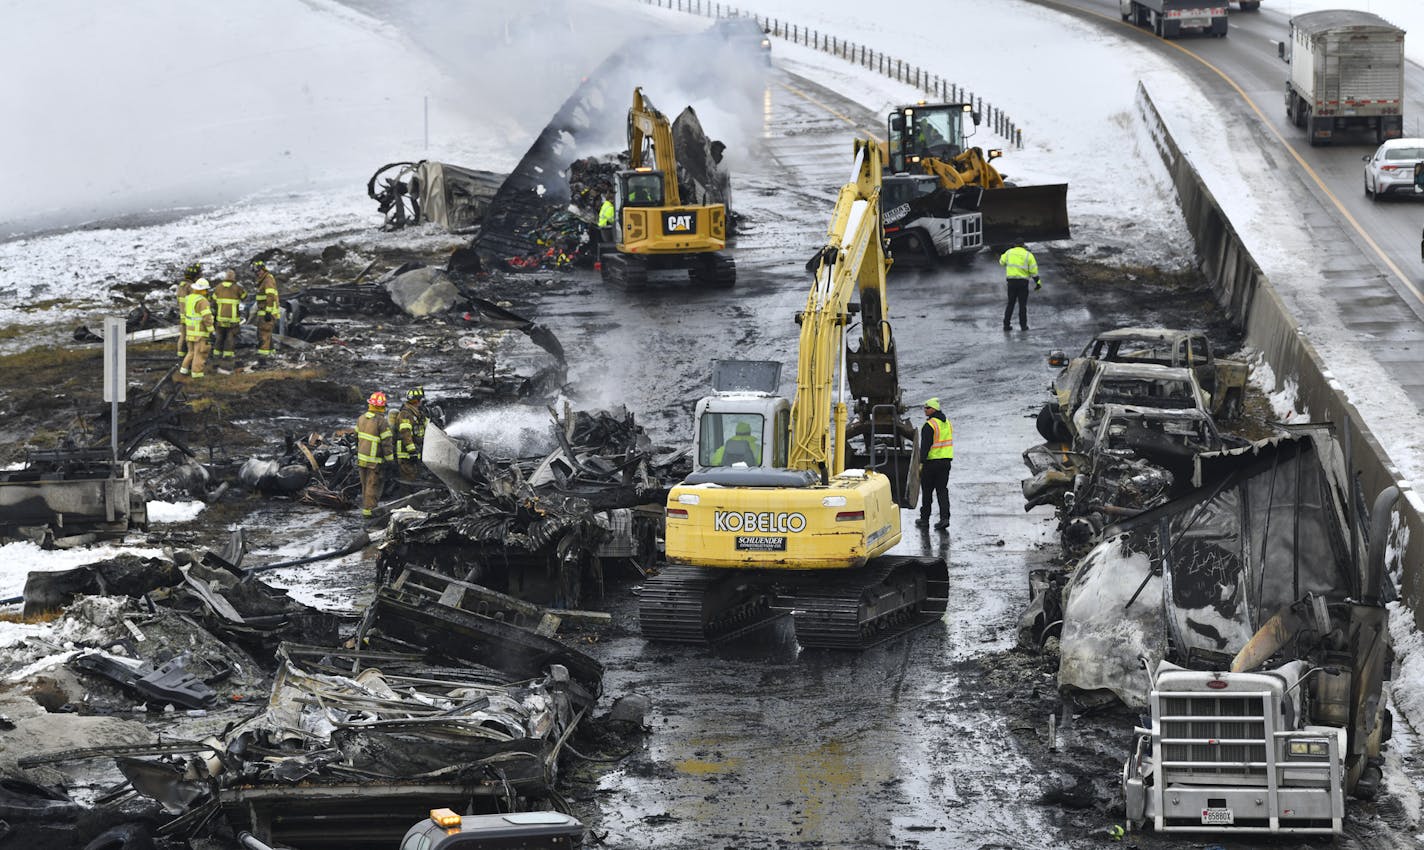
{"x": 1391, "y": 168}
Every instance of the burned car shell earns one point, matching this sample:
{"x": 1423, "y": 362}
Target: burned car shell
{"x": 1224, "y": 381}
{"x": 1133, "y": 459}
{"x": 1141, "y": 385}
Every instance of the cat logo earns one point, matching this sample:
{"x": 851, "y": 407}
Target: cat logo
{"x": 679, "y": 222}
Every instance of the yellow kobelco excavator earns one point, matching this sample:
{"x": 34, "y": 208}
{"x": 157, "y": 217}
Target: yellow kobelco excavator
{"x": 929, "y": 140}
{"x": 771, "y": 520}
{"x": 653, "y": 230}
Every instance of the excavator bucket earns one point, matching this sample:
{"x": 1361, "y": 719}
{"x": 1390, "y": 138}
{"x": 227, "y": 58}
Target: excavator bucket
{"x": 1025, "y": 214}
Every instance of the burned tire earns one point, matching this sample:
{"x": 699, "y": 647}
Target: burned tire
{"x": 1232, "y": 407}
{"x": 130, "y": 836}
{"x": 1051, "y": 426}
{"x": 1368, "y": 785}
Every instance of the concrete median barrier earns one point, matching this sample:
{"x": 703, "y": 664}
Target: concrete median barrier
{"x": 1244, "y": 290}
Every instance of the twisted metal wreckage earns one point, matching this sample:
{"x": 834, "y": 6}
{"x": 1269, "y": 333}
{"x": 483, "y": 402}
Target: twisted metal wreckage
{"x": 542, "y": 527}
{"x": 449, "y": 693}
{"x": 1268, "y": 567}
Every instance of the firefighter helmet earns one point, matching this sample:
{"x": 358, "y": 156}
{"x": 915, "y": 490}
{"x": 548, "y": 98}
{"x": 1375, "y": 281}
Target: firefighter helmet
{"x": 377, "y": 399}
{"x": 416, "y": 394}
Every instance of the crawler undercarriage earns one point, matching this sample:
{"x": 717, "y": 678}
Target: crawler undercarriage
{"x": 831, "y": 609}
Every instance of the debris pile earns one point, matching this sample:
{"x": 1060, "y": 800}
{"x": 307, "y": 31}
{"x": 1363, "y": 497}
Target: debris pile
{"x": 449, "y": 694}
{"x": 411, "y": 193}
{"x": 540, "y": 527}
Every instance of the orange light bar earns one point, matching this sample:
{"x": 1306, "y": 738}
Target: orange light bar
{"x": 444, "y": 817}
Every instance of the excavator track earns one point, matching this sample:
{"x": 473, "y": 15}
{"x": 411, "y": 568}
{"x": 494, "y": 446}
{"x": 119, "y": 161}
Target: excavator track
{"x": 686, "y": 604}
{"x": 623, "y": 271}
{"x": 713, "y": 270}
{"x": 858, "y": 609}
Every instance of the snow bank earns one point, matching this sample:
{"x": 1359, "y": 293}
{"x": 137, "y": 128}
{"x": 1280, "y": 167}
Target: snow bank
{"x": 19, "y": 559}
{"x": 161, "y": 512}
{"x": 175, "y": 104}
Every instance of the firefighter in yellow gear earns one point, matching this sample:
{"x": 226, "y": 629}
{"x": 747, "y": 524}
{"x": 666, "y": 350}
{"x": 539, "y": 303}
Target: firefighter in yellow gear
{"x": 185, "y": 288}
{"x": 269, "y": 307}
{"x": 408, "y": 426}
{"x": 373, "y": 448}
{"x": 227, "y": 295}
{"x": 198, "y": 328}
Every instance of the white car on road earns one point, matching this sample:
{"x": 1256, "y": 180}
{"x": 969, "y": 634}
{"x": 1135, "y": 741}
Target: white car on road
{"x": 1391, "y": 168}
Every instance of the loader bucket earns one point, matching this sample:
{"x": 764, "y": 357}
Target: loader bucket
{"x": 1025, "y": 214}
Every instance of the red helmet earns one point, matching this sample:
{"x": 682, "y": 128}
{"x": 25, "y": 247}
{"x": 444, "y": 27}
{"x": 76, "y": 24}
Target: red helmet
{"x": 377, "y": 399}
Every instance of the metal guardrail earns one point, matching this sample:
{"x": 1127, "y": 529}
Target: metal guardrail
{"x": 934, "y": 85}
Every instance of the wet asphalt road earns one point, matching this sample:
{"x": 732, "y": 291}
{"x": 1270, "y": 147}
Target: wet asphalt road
{"x": 753, "y": 744}
{"x": 933, "y": 740}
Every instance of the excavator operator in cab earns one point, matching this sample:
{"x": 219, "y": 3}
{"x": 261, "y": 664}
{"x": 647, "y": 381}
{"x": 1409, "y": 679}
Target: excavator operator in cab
{"x": 741, "y": 447}
{"x": 645, "y": 190}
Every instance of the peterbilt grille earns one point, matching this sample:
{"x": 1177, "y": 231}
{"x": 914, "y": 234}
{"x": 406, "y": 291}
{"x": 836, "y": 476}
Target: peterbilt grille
{"x": 1213, "y": 717}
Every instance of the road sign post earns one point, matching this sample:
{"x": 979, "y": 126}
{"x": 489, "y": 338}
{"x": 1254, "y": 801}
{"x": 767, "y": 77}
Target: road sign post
{"x": 116, "y": 382}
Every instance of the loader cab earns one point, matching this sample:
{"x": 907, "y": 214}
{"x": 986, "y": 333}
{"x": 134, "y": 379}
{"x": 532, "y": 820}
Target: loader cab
{"x": 927, "y": 130}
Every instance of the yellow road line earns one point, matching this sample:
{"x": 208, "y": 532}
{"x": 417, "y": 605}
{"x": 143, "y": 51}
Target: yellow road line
{"x": 826, "y": 106}
{"x": 1379, "y": 252}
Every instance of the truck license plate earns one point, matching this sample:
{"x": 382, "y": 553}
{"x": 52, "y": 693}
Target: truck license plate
{"x": 1217, "y": 817}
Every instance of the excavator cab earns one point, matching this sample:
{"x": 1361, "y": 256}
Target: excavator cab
{"x": 735, "y": 433}
{"x": 641, "y": 187}
{"x": 745, "y": 425}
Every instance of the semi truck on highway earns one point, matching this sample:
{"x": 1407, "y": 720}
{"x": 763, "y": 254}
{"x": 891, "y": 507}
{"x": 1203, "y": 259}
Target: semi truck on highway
{"x": 1346, "y": 74}
{"x": 1171, "y": 18}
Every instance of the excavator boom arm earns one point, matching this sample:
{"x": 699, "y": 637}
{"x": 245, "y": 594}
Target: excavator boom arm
{"x": 852, "y": 261}
{"x": 649, "y": 128}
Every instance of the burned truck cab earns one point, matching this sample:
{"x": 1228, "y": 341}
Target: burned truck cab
{"x": 71, "y": 492}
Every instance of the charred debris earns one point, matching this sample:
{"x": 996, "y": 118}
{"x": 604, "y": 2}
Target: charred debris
{"x": 188, "y": 701}
{"x": 176, "y": 699}
{"x": 1202, "y": 563}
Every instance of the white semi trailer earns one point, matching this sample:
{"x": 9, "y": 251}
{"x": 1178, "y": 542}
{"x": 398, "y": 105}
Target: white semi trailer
{"x": 1346, "y": 75}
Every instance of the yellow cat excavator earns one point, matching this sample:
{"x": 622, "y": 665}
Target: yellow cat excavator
{"x": 653, "y": 229}
{"x": 932, "y": 139}
{"x": 793, "y": 506}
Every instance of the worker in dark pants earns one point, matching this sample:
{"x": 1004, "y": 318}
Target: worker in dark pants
{"x": 936, "y": 458}
{"x": 1019, "y": 268}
